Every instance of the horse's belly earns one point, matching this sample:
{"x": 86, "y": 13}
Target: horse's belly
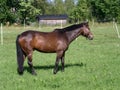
{"x": 45, "y": 46}
{"x": 50, "y": 47}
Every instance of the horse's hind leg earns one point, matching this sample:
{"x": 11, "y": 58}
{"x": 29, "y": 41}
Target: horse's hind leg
{"x": 31, "y": 64}
{"x": 62, "y": 62}
{"x": 20, "y": 64}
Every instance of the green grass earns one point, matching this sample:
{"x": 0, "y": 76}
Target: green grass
{"x": 89, "y": 65}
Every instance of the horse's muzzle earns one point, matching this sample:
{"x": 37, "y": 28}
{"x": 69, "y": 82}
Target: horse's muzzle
{"x": 90, "y": 37}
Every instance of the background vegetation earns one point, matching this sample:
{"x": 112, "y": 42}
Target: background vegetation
{"x": 77, "y": 10}
{"x": 89, "y": 65}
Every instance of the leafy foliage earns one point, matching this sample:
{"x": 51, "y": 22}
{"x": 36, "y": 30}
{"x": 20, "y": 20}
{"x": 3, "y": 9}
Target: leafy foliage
{"x": 106, "y": 10}
{"x": 81, "y": 11}
{"x": 5, "y": 12}
{"x": 28, "y": 11}
{"x": 77, "y": 10}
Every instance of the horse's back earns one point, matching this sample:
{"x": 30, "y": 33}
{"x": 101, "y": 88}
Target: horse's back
{"x": 43, "y": 41}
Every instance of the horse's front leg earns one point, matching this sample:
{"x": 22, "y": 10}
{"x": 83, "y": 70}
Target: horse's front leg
{"x": 59, "y": 56}
{"x": 31, "y": 64}
{"x": 56, "y": 65}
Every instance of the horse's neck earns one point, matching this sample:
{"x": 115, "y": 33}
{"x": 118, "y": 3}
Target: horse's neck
{"x": 72, "y": 35}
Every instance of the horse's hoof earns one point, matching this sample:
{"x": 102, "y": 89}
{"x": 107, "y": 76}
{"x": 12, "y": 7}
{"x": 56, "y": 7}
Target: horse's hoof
{"x": 20, "y": 72}
{"x": 54, "y": 72}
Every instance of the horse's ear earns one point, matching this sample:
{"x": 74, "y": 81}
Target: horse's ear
{"x": 86, "y": 22}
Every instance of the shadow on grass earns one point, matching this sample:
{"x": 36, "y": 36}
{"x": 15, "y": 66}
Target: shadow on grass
{"x": 52, "y": 67}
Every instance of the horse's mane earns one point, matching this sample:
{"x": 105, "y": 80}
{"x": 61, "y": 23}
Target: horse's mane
{"x": 71, "y": 28}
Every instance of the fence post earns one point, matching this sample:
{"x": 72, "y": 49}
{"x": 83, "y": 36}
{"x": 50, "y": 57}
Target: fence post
{"x": 61, "y": 24}
{"x": 39, "y": 25}
{"x": 116, "y": 28}
{"x": 1, "y": 31}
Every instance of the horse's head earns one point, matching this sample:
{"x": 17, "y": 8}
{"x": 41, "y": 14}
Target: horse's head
{"x": 85, "y": 31}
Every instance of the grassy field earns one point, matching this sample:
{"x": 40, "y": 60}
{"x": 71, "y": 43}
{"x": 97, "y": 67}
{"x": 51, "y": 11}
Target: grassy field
{"x": 89, "y": 65}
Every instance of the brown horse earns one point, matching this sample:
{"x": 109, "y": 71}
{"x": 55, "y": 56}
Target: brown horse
{"x": 56, "y": 41}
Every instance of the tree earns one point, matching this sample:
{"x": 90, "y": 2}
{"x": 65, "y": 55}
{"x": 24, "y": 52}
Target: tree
{"x": 81, "y": 12}
{"x": 50, "y": 8}
{"x": 59, "y": 7}
{"x": 68, "y": 4}
{"x": 6, "y": 14}
{"x": 114, "y": 9}
{"x": 105, "y": 10}
{"x": 77, "y": 10}
{"x": 41, "y": 5}
{"x": 28, "y": 11}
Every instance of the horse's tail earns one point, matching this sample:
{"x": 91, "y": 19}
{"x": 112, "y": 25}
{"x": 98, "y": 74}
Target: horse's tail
{"x": 20, "y": 56}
